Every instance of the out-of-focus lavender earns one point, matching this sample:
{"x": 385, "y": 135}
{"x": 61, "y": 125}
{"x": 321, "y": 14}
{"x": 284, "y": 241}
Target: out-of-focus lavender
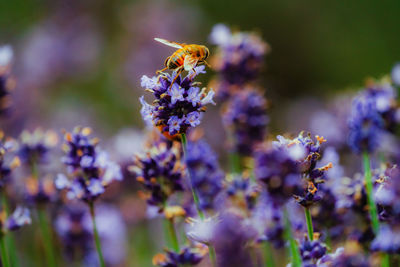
{"x": 74, "y": 227}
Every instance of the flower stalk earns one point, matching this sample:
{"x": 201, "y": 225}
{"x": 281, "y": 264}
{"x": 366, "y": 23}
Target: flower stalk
{"x": 268, "y": 255}
{"x": 3, "y": 251}
{"x": 172, "y": 234}
{"x": 369, "y": 188}
{"x": 296, "y": 259}
{"x": 211, "y": 249}
{"x": 96, "y": 235}
{"x": 310, "y": 229}
{"x": 46, "y": 234}
{"x": 10, "y": 243}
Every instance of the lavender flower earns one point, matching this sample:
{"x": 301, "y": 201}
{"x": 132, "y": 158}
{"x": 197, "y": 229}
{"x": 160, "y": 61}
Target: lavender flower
{"x": 387, "y": 240}
{"x": 160, "y": 171}
{"x": 176, "y": 107}
{"x": 6, "y": 165}
{"x": 242, "y": 191}
{"x": 74, "y": 227}
{"x": 35, "y": 146}
{"x": 230, "y": 239}
{"x": 311, "y": 252}
{"x": 76, "y": 238}
{"x": 7, "y": 83}
{"x": 16, "y": 220}
{"x": 306, "y": 152}
{"x": 40, "y": 191}
{"x": 205, "y": 173}
{"x": 373, "y": 112}
{"x": 279, "y": 171}
{"x": 349, "y": 256}
{"x": 188, "y": 256}
{"x": 89, "y": 167}
{"x": 240, "y": 55}
{"x": 387, "y": 195}
{"x": 245, "y": 115}
{"x": 396, "y": 74}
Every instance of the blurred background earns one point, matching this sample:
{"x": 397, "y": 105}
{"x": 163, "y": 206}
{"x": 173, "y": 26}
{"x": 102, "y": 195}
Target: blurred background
{"x": 80, "y": 63}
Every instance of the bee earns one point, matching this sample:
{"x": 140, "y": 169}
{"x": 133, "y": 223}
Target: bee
{"x": 187, "y": 57}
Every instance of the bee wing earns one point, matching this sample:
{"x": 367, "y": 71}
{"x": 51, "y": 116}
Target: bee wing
{"x": 190, "y": 62}
{"x": 169, "y": 43}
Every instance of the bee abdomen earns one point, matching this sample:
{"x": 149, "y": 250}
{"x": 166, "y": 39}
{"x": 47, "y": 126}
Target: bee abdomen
{"x": 176, "y": 60}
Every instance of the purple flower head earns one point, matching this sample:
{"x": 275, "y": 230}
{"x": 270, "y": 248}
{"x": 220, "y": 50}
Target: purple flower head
{"x": 206, "y": 175}
{"x": 306, "y": 152}
{"x": 7, "y": 82}
{"x": 188, "y": 256}
{"x": 7, "y": 165}
{"x": 349, "y": 256}
{"x": 35, "y": 146}
{"x": 74, "y": 227}
{"x": 245, "y": 115}
{"x": 311, "y": 251}
{"x": 230, "y": 239}
{"x": 160, "y": 171}
{"x": 373, "y": 112}
{"x": 387, "y": 195}
{"x": 387, "y": 240}
{"x": 89, "y": 168}
{"x": 242, "y": 191}
{"x": 17, "y": 219}
{"x": 40, "y": 191}
{"x": 240, "y": 54}
{"x": 396, "y": 74}
{"x": 175, "y": 107}
{"x": 276, "y": 168}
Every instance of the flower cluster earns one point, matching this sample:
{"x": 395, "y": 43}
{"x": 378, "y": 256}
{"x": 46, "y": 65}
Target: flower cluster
{"x": 240, "y": 55}
{"x": 186, "y": 256}
{"x": 90, "y": 168}
{"x": 6, "y": 166}
{"x": 373, "y": 112}
{"x": 245, "y": 115}
{"x": 160, "y": 171}
{"x": 206, "y": 176}
{"x": 242, "y": 191}
{"x": 311, "y": 252}
{"x": 34, "y": 147}
{"x": 277, "y": 168}
{"x": 74, "y": 227}
{"x": 306, "y": 152}
{"x": 177, "y": 106}
{"x": 7, "y": 83}
{"x": 19, "y": 218}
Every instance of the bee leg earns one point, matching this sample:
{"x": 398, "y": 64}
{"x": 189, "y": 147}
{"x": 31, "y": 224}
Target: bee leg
{"x": 206, "y": 63}
{"x": 159, "y": 71}
{"x": 178, "y": 72}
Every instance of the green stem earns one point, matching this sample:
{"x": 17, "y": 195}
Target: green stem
{"x": 310, "y": 229}
{"x": 213, "y": 257}
{"x": 386, "y": 260}
{"x": 96, "y": 235}
{"x": 211, "y": 250}
{"x": 268, "y": 257}
{"x": 194, "y": 193}
{"x": 3, "y": 251}
{"x": 172, "y": 234}
{"x": 47, "y": 239}
{"x": 296, "y": 260}
{"x": 235, "y": 162}
{"x": 9, "y": 237}
{"x": 368, "y": 184}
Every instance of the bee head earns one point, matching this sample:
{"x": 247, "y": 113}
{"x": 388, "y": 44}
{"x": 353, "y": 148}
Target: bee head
{"x": 206, "y": 52}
